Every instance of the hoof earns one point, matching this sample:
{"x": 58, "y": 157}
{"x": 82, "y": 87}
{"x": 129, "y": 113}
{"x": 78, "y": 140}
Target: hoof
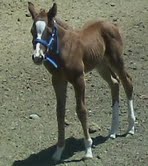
{"x": 56, "y": 158}
{"x": 87, "y": 157}
{"x": 131, "y": 132}
{"x": 58, "y": 153}
{"x": 112, "y": 136}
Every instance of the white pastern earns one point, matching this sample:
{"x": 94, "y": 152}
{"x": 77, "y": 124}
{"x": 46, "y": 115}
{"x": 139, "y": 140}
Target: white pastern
{"x": 115, "y": 120}
{"x": 88, "y": 144}
{"x": 131, "y": 117}
{"x": 58, "y": 153}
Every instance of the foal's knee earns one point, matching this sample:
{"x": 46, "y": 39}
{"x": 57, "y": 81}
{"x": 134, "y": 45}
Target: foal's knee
{"x": 115, "y": 84}
{"x": 114, "y": 89}
{"x": 129, "y": 91}
{"x": 127, "y": 83}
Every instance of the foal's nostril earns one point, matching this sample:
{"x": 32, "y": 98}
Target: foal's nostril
{"x": 33, "y": 57}
{"x": 37, "y": 59}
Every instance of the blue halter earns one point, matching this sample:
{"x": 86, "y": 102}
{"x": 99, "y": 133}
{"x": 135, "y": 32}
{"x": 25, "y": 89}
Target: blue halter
{"x": 51, "y": 45}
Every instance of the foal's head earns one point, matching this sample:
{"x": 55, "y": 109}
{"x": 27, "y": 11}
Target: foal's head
{"x": 42, "y": 29}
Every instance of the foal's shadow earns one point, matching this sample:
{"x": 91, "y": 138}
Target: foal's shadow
{"x": 44, "y": 158}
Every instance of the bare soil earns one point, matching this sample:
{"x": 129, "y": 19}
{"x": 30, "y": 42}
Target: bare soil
{"x": 25, "y": 89}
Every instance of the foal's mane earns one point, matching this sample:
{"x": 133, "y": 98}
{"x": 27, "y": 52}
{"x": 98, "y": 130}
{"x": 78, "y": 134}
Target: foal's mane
{"x": 63, "y": 24}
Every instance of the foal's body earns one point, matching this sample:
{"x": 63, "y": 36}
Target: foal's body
{"x": 98, "y": 45}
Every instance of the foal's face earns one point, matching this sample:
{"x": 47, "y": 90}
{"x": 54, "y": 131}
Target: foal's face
{"x": 43, "y": 24}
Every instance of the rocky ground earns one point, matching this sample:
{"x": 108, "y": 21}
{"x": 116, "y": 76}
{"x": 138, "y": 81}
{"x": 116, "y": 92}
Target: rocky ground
{"x": 28, "y": 128}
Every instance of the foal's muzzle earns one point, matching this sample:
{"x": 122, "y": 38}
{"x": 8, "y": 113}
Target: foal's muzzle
{"x": 37, "y": 59}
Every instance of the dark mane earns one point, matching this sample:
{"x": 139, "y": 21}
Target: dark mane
{"x": 63, "y": 24}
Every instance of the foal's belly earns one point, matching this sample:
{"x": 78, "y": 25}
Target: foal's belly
{"x": 90, "y": 62}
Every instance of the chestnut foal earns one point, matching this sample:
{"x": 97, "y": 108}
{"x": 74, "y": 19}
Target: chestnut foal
{"x": 68, "y": 54}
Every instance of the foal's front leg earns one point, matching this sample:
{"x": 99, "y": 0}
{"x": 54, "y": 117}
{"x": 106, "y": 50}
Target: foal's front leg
{"x": 79, "y": 86}
{"x": 60, "y": 87}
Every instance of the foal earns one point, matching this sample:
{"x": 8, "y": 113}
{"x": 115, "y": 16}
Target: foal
{"x": 68, "y": 54}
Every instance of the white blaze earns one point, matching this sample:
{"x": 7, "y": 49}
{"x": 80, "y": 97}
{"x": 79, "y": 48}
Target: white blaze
{"x": 40, "y": 28}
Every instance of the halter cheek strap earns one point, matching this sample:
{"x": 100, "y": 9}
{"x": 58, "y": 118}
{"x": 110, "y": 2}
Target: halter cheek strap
{"x": 52, "y": 45}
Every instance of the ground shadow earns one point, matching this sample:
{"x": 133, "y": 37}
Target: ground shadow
{"x": 44, "y": 158}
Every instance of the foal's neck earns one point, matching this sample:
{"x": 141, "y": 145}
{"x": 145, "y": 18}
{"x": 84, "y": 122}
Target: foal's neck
{"x": 61, "y": 28}
{"x": 63, "y": 24}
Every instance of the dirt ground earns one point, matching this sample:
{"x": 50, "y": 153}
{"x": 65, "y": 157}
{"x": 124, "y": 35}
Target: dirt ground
{"x": 25, "y": 89}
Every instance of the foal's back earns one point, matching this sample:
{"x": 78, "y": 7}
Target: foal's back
{"x": 102, "y": 41}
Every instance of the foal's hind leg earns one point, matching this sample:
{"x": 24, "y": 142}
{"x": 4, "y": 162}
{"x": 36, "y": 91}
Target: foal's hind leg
{"x": 117, "y": 65}
{"x": 79, "y": 86}
{"x": 113, "y": 83}
{"x": 128, "y": 87}
{"x": 115, "y": 61}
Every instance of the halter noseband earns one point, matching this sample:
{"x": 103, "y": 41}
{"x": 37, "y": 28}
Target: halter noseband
{"x": 52, "y": 45}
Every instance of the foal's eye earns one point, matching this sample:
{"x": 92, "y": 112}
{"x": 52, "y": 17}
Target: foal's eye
{"x": 32, "y": 31}
{"x": 33, "y": 43}
{"x": 49, "y": 30}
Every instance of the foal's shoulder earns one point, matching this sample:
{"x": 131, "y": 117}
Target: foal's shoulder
{"x": 90, "y": 24}
{"x": 104, "y": 24}
{"x": 100, "y": 25}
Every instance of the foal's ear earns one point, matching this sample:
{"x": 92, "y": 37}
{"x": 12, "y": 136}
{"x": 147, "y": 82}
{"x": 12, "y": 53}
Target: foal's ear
{"x": 32, "y": 10}
{"x": 52, "y": 12}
